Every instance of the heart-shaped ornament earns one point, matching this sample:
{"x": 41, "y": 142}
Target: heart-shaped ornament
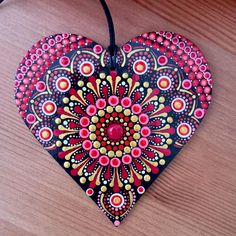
{"x": 113, "y": 131}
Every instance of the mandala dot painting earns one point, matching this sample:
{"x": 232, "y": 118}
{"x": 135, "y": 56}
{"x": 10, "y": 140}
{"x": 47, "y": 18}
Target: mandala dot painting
{"x": 113, "y": 131}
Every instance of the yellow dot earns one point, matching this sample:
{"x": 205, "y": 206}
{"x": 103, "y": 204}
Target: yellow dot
{"x": 58, "y": 143}
{"x": 103, "y": 189}
{"x": 49, "y": 108}
{"x": 147, "y": 178}
{"x": 134, "y": 118}
{"x": 117, "y": 143}
{"x": 45, "y": 134}
{"x": 127, "y": 149}
{"x": 111, "y": 154}
{"x": 177, "y": 105}
{"x": 131, "y": 180}
{"x": 103, "y": 150}
{"x": 121, "y": 120}
{"x": 145, "y": 84}
{"x": 140, "y": 67}
{"x": 118, "y": 108}
{"x": 161, "y": 99}
{"x": 109, "y": 77}
{"x": 96, "y": 144}
{"x": 58, "y": 120}
{"x": 102, "y": 75}
{"x": 133, "y": 144}
{"x": 109, "y": 109}
{"x": 92, "y": 136}
{"x": 67, "y": 164}
{"x": 119, "y": 153}
{"x": 92, "y": 128}
{"x": 94, "y": 119}
{"x": 169, "y": 119}
{"x": 184, "y": 130}
{"x": 66, "y": 100}
{"x": 194, "y": 96}
{"x": 80, "y": 83}
{"x": 101, "y": 113}
{"x": 125, "y": 75}
{"x": 127, "y": 128}
{"x": 169, "y": 141}
{"x": 86, "y": 69}
{"x": 136, "y": 136}
{"x": 137, "y": 127}
{"x": 127, "y": 112}
{"x": 122, "y": 141}
{"x": 127, "y": 186}
{"x": 127, "y": 133}
{"x": 82, "y": 180}
{"x": 162, "y": 162}
{"x": 164, "y": 84}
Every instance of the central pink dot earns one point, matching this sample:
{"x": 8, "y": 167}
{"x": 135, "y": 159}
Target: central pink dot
{"x": 115, "y": 131}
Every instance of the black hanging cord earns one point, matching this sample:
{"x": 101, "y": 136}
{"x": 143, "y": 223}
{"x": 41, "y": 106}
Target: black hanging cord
{"x": 112, "y": 49}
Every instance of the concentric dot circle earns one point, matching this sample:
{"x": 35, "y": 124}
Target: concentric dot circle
{"x": 136, "y": 152}
{"x": 64, "y": 61}
{"x": 162, "y": 60}
{"x": 178, "y": 104}
{"x": 49, "y": 108}
{"x": 143, "y": 143}
{"x": 94, "y": 153}
{"x": 104, "y": 160}
{"x": 126, "y": 159}
{"x": 45, "y": 134}
{"x": 115, "y": 162}
{"x": 117, "y": 200}
{"x": 143, "y": 119}
{"x": 84, "y": 121}
{"x": 91, "y": 110}
{"x": 86, "y": 68}
{"x": 136, "y": 109}
{"x": 140, "y": 189}
{"x": 113, "y": 100}
{"x": 126, "y": 102}
{"x": 89, "y": 191}
{"x": 164, "y": 83}
{"x": 184, "y": 130}
{"x": 63, "y": 84}
{"x": 101, "y": 103}
{"x": 87, "y": 145}
{"x": 84, "y": 133}
{"x": 199, "y": 113}
{"x": 140, "y": 67}
{"x": 145, "y": 131}
{"x": 97, "y": 49}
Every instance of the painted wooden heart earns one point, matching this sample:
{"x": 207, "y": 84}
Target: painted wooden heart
{"x": 113, "y": 131}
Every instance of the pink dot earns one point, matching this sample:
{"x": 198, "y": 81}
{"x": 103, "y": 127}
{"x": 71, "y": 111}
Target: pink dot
{"x": 64, "y": 61}
{"x": 113, "y": 100}
{"x": 145, "y": 131}
{"x": 84, "y": 121}
{"x": 40, "y": 86}
{"x": 126, "y": 159}
{"x": 91, "y": 110}
{"x": 94, "y": 153}
{"x": 143, "y": 142}
{"x": 117, "y": 222}
{"x": 104, "y": 160}
{"x": 100, "y": 103}
{"x": 87, "y": 145}
{"x": 84, "y": 133}
{"x": 126, "y": 102}
{"x": 97, "y": 49}
{"x": 30, "y": 118}
{"x": 115, "y": 162}
{"x": 136, "y": 109}
{"x": 143, "y": 119}
{"x": 136, "y": 152}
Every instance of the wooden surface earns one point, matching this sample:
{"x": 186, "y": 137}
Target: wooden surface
{"x": 196, "y": 195}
